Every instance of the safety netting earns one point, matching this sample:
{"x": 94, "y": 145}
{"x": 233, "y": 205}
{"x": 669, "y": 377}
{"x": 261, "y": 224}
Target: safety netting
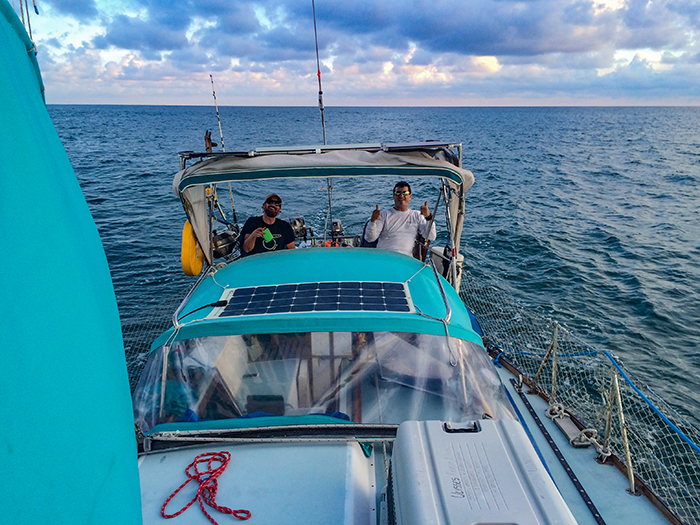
{"x": 663, "y": 445}
{"x": 140, "y": 332}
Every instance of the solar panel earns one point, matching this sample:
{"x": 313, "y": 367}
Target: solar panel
{"x": 356, "y": 296}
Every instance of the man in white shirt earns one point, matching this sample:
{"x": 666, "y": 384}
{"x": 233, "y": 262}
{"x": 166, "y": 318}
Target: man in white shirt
{"x": 397, "y": 227}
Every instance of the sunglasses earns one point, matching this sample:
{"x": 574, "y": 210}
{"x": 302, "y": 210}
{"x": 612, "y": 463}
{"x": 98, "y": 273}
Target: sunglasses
{"x": 273, "y": 202}
{"x": 406, "y": 193}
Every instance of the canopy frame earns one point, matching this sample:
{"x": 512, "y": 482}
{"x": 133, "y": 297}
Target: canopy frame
{"x": 193, "y": 184}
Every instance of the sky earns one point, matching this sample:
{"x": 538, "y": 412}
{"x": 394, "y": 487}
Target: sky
{"x": 373, "y": 53}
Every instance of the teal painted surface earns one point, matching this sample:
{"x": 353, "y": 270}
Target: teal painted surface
{"x": 34, "y": 76}
{"x": 326, "y": 265}
{"x": 67, "y": 442}
{"x": 266, "y": 421}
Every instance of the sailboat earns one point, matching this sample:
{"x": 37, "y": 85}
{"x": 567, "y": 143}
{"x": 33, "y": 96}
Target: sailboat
{"x": 350, "y": 384}
{"x": 329, "y": 383}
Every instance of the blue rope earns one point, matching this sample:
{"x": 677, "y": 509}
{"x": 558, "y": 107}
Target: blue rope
{"x": 593, "y": 351}
{"x": 529, "y": 435}
{"x": 495, "y": 361}
{"x": 653, "y": 407}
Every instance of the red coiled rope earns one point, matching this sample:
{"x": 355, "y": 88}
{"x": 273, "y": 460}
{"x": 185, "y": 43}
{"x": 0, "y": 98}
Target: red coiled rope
{"x": 208, "y": 485}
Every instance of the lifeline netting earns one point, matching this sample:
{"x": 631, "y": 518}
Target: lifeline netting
{"x": 667, "y": 459}
{"x": 139, "y": 335}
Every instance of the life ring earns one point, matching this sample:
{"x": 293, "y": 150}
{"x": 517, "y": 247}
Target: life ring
{"x": 191, "y": 256}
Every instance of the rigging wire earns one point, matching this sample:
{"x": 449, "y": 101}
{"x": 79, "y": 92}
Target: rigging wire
{"x": 26, "y": 23}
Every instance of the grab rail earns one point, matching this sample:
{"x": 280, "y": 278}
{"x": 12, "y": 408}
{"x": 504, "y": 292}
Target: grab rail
{"x": 448, "y": 308}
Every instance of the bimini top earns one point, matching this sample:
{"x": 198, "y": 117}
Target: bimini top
{"x": 427, "y": 159}
{"x": 403, "y": 161}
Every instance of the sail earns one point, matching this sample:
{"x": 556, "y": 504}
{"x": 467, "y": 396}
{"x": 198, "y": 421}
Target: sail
{"x": 67, "y": 431}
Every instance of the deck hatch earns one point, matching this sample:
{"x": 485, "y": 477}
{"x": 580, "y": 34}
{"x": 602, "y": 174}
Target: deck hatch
{"x": 355, "y": 296}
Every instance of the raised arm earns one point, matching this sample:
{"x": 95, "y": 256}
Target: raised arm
{"x": 375, "y": 226}
{"x": 249, "y": 241}
{"x": 425, "y": 212}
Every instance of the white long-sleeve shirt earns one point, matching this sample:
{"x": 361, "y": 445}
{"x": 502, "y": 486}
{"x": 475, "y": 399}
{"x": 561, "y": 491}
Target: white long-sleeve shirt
{"x": 396, "y": 230}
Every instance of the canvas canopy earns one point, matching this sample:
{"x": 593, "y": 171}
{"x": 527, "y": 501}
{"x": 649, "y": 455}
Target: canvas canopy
{"x": 190, "y": 183}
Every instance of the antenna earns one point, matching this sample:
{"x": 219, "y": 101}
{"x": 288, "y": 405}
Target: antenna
{"x": 318, "y": 68}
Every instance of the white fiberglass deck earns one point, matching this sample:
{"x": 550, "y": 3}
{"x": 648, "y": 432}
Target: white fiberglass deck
{"x": 604, "y": 484}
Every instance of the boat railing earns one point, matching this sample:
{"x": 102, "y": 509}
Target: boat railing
{"x": 627, "y": 422}
{"x": 448, "y": 308}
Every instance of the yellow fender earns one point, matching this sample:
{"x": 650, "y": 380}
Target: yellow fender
{"x": 191, "y": 256}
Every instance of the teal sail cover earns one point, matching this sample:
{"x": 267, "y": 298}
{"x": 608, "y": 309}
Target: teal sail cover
{"x": 67, "y": 443}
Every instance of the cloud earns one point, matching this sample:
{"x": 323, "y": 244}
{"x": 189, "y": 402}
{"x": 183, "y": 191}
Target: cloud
{"x": 54, "y": 42}
{"x": 488, "y": 49}
{"x": 127, "y": 32}
{"x": 237, "y": 20}
{"x": 82, "y": 10}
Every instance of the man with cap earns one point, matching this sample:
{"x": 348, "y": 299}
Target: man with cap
{"x": 266, "y": 233}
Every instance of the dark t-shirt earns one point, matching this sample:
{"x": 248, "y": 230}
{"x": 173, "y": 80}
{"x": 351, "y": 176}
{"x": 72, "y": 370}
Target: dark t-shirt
{"x": 281, "y": 231}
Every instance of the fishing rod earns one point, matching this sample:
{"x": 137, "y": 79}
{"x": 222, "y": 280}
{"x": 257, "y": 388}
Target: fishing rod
{"x": 318, "y": 69}
{"x": 329, "y": 216}
{"x": 218, "y": 118}
{"x": 223, "y": 148}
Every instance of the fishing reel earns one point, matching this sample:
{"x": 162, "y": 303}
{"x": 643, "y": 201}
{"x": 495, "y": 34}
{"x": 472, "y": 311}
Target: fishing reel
{"x": 337, "y": 229}
{"x": 225, "y": 241}
{"x": 299, "y": 228}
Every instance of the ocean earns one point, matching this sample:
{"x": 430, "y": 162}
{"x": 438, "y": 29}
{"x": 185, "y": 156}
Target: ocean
{"x": 588, "y": 216}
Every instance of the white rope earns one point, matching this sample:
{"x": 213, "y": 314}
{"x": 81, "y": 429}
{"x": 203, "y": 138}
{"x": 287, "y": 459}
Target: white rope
{"x": 590, "y": 435}
{"x": 29, "y": 23}
{"x": 213, "y": 271}
{"x": 419, "y": 271}
{"x": 555, "y": 410}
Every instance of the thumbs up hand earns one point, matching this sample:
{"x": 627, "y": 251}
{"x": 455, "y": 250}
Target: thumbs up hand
{"x": 424, "y": 211}
{"x": 208, "y": 144}
{"x": 376, "y": 214}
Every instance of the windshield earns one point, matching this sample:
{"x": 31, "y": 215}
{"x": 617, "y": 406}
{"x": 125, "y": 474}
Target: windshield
{"x": 366, "y": 377}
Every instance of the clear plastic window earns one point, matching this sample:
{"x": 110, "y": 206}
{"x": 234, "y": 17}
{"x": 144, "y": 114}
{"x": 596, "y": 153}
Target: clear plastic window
{"x": 367, "y": 377}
